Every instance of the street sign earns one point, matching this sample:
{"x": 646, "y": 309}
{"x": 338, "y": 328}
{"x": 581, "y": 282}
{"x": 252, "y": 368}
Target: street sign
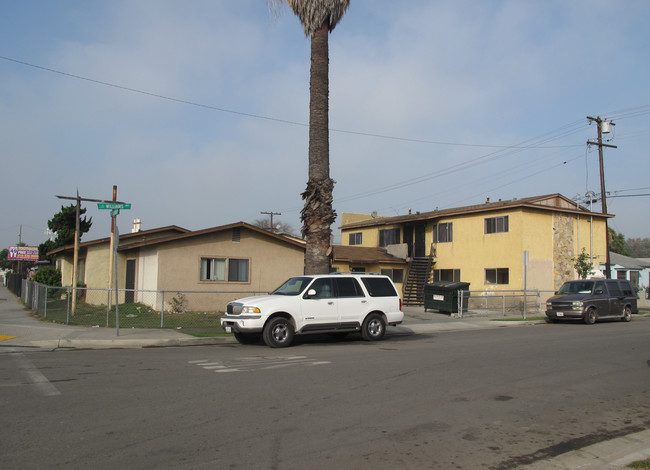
{"x": 113, "y": 205}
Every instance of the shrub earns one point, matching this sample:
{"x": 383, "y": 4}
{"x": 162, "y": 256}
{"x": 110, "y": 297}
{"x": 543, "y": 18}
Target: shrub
{"x": 49, "y": 276}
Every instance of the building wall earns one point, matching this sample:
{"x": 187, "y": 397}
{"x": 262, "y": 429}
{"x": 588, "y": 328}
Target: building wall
{"x": 552, "y": 240}
{"x": 271, "y": 262}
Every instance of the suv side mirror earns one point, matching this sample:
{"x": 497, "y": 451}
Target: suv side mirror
{"x": 311, "y": 293}
{"x": 598, "y": 292}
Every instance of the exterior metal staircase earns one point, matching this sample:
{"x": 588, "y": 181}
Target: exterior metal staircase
{"x": 419, "y": 274}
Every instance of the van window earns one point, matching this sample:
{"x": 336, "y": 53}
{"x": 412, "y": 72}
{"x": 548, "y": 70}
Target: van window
{"x": 626, "y": 288}
{"x": 614, "y": 289}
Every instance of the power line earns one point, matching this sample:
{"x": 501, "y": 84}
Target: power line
{"x": 257, "y": 116}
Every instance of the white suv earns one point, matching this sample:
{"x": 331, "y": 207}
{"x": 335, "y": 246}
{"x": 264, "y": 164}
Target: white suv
{"x": 329, "y": 303}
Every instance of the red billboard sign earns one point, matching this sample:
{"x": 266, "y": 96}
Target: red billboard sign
{"x": 22, "y": 253}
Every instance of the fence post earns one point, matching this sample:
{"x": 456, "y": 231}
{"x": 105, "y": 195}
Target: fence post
{"x": 67, "y": 310}
{"x": 44, "y": 300}
{"x": 108, "y": 306}
{"x": 162, "y": 309}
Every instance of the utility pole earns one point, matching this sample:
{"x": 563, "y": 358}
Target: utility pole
{"x": 271, "y": 214}
{"x": 599, "y": 124}
{"x": 111, "y": 267}
{"x": 75, "y": 256}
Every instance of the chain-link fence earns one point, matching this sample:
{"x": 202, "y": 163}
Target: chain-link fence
{"x": 504, "y": 302}
{"x": 195, "y": 310}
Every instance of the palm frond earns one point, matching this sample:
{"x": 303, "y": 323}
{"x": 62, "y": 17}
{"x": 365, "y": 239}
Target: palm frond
{"x": 313, "y": 14}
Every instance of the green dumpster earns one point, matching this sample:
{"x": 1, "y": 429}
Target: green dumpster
{"x": 443, "y": 296}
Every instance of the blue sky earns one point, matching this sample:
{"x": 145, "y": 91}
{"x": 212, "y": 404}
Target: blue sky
{"x": 198, "y": 110}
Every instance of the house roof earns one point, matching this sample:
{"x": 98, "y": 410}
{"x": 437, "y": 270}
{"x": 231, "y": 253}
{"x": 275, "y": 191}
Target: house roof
{"x": 208, "y": 231}
{"x": 147, "y": 238}
{"x": 364, "y": 255}
{"x": 627, "y": 262}
{"x": 127, "y": 238}
{"x": 550, "y": 202}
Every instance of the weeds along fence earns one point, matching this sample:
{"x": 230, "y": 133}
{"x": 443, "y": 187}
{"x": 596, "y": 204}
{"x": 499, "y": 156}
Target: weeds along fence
{"x": 136, "y": 308}
{"x": 504, "y": 302}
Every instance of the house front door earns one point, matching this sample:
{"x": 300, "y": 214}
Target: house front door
{"x": 130, "y": 281}
{"x": 420, "y": 244}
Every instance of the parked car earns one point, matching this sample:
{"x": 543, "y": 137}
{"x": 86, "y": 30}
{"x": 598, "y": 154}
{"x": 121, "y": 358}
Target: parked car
{"x": 331, "y": 303}
{"x": 591, "y": 300}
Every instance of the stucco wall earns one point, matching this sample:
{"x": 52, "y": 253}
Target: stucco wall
{"x": 271, "y": 262}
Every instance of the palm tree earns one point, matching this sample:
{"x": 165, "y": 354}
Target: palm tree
{"x": 318, "y": 17}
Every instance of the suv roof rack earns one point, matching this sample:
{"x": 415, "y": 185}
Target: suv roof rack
{"x": 357, "y": 273}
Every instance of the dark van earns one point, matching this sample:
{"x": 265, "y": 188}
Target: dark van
{"x": 591, "y": 300}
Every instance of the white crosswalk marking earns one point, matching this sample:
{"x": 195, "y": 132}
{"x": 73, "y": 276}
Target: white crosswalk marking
{"x": 253, "y": 363}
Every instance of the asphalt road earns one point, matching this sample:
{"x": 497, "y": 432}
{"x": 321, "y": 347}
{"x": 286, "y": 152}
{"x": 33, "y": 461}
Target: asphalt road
{"x": 495, "y": 399}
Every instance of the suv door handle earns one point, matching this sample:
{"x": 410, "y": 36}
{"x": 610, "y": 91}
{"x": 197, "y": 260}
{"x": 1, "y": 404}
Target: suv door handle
{"x": 331, "y": 302}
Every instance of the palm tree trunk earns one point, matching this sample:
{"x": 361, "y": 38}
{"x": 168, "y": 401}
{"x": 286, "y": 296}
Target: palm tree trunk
{"x": 318, "y": 214}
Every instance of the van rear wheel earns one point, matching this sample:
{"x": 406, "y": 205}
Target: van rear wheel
{"x": 627, "y": 313}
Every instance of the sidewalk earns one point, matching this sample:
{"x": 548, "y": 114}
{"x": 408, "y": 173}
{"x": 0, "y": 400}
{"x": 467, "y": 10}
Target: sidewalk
{"x": 19, "y": 331}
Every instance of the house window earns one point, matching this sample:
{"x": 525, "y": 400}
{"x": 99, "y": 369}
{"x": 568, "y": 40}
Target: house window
{"x": 213, "y": 269}
{"x": 357, "y": 269}
{"x": 238, "y": 270}
{"x": 451, "y": 275}
{"x": 389, "y": 237}
{"x": 222, "y": 269}
{"x": 355, "y": 238}
{"x": 496, "y": 224}
{"x": 443, "y": 233}
{"x": 497, "y": 276}
{"x": 397, "y": 275}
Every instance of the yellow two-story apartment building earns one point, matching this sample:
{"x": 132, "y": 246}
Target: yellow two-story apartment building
{"x": 504, "y": 245}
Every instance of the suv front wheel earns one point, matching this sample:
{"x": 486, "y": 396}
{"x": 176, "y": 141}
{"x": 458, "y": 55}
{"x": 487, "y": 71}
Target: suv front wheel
{"x": 278, "y": 333}
{"x": 373, "y": 327}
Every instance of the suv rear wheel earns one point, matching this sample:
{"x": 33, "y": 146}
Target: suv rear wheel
{"x": 373, "y": 327}
{"x": 278, "y": 333}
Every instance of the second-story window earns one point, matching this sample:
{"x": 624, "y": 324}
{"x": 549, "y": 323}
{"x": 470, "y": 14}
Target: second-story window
{"x": 443, "y": 233}
{"x": 355, "y": 238}
{"x": 389, "y": 237}
{"x": 496, "y": 224}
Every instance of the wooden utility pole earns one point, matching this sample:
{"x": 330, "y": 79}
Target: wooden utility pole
{"x": 271, "y": 214}
{"x": 75, "y": 256}
{"x": 111, "y": 267}
{"x": 603, "y": 194}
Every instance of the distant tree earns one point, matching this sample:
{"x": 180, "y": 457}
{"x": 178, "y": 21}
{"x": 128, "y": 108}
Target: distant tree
{"x": 617, "y": 242}
{"x": 278, "y": 226}
{"x": 63, "y": 224}
{"x": 638, "y": 247}
{"x": 583, "y": 266}
{"x": 4, "y": 260}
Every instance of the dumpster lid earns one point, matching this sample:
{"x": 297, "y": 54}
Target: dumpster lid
{"x": 450, "y": 285}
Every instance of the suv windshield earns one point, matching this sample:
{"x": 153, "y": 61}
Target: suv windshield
{"x": 576, "y": 288}
{"x": 293, "y": 286}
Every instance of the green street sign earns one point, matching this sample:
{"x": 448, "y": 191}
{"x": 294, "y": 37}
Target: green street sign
{"x": 114, "y": 212}
{"x": 113, "y": 205}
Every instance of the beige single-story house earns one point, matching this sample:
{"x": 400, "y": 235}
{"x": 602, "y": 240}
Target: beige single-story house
{"x": 210, "y": 267}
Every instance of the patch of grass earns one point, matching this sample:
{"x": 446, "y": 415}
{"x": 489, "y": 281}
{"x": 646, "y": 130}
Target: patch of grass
{"x": 206, "y": 334}
{"x": 640, "y": 465}
{"x": 132, "y": 315}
